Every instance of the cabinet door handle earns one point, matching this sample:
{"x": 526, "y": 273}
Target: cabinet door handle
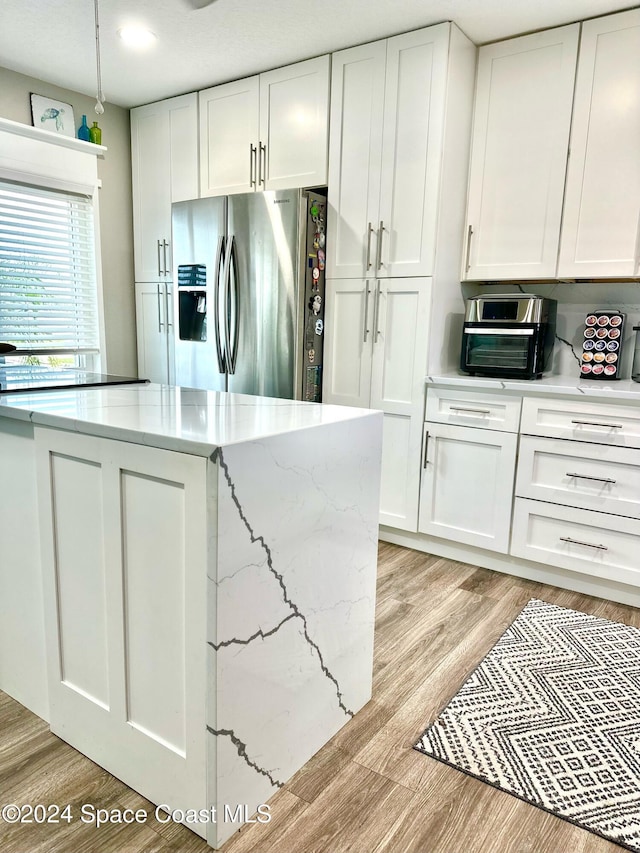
{"x": 160, "y": 323}
{"x": 159, "y": 242}
{"x": 379, "y": 257}
{"x": 262, "y": 172}
{"x": 596, "y": 424}
{"x": 587, "y": 477}
{"x": 369, "y": 233}
{"x": 473, "y": 411}
{"x": 467, "y": 262}
{"x": 586, "y": 544}
{"x": 366, "y": 312}
{"x": 376, "y": 316}
{"x": 426, "y": 447}
{"x": 253, "y": 155}
{"x": 167, "y": 300}
{"x": 165, "y": 246}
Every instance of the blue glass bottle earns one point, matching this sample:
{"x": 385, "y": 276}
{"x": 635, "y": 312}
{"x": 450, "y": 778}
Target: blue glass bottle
{"x": 83, "y": 130}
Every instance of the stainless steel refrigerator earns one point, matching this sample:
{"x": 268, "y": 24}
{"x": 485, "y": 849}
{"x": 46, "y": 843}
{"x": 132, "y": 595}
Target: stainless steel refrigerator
{"x": 249, "y": 293}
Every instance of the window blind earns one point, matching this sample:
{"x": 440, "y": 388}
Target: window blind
{"x": 48, "y": 289}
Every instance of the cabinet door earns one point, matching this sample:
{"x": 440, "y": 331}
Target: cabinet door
{"x": 152, "y": 316}
{"x": 519, "y": 153}
{"x": 467, "y": 485}
{"x": 294, "y": 125}
{"x": 355, "y": 150}
{"x": 602, "y": 197}
{"x": 164, "y": 165}
{"x": 414, "y": 103}
{"x": 229, "y": 137}
{"x": 124, "y": 573}
{"x": 348, "y": 342}
{"x": 400, "y": 337}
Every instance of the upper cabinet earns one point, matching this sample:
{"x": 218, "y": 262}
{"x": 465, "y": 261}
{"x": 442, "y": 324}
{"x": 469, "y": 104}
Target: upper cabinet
{"x": 520, "y": 138}
{"x": 266, "y": 132}
{"x": 164, "y": 165}
{"x": 387, "y": 116}
{"x": 600, "y": 228}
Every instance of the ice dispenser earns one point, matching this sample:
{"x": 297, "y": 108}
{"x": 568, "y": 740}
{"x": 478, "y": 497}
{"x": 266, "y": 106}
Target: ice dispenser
{"x": 192, "y": 302}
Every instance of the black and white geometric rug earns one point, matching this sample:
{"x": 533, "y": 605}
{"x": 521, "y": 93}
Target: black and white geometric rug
{"x": 552, "y": 715}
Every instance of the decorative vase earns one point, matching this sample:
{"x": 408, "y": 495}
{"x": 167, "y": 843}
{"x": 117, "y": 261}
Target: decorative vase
{"x": 83, "y": 130}
{"x": 95, "y": 134}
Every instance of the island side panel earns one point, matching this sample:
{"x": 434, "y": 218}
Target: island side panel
{"x": 290, "y": 639}
{"x": 23, "y": 672}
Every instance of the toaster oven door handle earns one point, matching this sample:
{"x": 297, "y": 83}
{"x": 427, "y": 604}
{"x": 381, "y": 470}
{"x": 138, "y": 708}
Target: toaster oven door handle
{"x": 482, "y": 330}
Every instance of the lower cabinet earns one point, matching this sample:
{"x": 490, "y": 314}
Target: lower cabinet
{"x": 375, "y": 356}
{"x": 124, "y": 561}
{"x": 155, "y": 330}
{"x": 467, "y": 485}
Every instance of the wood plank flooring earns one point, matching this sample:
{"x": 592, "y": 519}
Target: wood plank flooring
{"x": 367, "y": 791}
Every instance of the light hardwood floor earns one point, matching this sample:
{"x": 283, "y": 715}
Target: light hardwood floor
{"x": 367, "y": 791}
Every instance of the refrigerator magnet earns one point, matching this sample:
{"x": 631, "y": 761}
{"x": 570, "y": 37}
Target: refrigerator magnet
{"x": 319, "y": 326}
{"x": 321, "y": 258}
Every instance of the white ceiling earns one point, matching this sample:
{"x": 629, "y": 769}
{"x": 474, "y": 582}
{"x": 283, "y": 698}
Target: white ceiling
{"x": 54, "y": 39}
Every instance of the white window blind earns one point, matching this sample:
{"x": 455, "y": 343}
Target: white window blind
{"x": 48, "y": 290}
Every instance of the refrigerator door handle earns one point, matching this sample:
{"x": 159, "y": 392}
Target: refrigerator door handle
{"x": 231, "y": 313}
{"x": 220, "y": 262}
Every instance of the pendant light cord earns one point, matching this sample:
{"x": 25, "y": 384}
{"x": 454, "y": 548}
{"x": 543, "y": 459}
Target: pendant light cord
{"x": 99, "y": 108}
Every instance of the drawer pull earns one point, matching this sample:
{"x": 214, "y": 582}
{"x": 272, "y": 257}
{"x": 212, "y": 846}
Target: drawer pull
{"x": 586, "y": 544}
{"x": 595, "y": 423}
{"x": 474, "y": 411}
{"x": 426, "y": 447}
{"x": 597, "y": 479}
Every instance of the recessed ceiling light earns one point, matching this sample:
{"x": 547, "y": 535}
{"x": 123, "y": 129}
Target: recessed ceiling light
{"x": 136, "y": 36}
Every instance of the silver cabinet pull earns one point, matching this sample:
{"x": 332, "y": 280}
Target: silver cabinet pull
{"x": 595, "y": 423}
{"x": 369, "y": 233}
{"x": 587, "y": 477}
{"x": 366, "y": 312}
{"x": 253, "y": 154}
{"x": 159, "y": 242}
{"x": 586, "y": 544}
{"x": 426, "y": 447}
{"x": 379, "y": 257}
{"x": 467, "y": 262}
{"x": 262, "y": 166}
{"x": 165, "y": 246}
{"x": 377, "y": 332}
{"x": 160, "y": 323}
{"x": 167, "y": 300}
{"x": 473, "y": 411}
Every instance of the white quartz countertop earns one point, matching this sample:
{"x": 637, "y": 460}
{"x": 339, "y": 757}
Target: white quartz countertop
{"x": 572, "y": 386}
{"x": 170, "y": 417}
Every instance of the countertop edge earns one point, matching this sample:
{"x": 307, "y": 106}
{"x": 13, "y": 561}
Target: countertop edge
{"x": 552, "y": 386}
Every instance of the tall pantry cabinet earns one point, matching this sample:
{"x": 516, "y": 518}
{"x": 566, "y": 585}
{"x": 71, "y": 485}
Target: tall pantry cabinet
{"x": 398, "y": 157}
{"x": 164, "y": 164}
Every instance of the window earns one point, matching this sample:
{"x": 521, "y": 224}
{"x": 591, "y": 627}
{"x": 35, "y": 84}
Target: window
{"x": 48, "y": 287}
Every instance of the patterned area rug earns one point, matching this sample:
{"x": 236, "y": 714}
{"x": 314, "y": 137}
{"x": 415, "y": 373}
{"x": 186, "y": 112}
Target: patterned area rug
{"x": 552, "y": 715}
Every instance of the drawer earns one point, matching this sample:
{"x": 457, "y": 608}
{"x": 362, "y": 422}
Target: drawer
{"x": 581, "y": 420}
{"x": 592, "y": 543}
{"x": 590, "y": 476}
{"x": 469, "y": 408}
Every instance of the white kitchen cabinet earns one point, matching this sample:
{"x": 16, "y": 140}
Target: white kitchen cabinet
{"x": 600, "y": 227}
{"x": 125, "y": 574}
{"x": 269, "y": 131}
{"x": 467, "y": 485}
{"x": 520, "y": 139}
{"x": 154, "y": 324}
{"x": 387, "y": 118}
{"x": 164, "y": 167}
{"x": 375, "y": 356}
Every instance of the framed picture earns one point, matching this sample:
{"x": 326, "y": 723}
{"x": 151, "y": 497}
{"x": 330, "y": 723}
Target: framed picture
{"x": 55, "y": 116}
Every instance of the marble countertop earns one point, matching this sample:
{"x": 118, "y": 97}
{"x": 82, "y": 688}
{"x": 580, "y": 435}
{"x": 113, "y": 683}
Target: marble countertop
{"x": 170, "y": 417}
{"x": 572, "y": 386}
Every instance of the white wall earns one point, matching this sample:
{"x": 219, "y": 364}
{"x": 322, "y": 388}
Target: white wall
{"x": 115, "y": 206}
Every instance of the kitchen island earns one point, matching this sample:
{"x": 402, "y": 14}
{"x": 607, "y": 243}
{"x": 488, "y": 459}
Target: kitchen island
{"x": 206, "y": 580}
